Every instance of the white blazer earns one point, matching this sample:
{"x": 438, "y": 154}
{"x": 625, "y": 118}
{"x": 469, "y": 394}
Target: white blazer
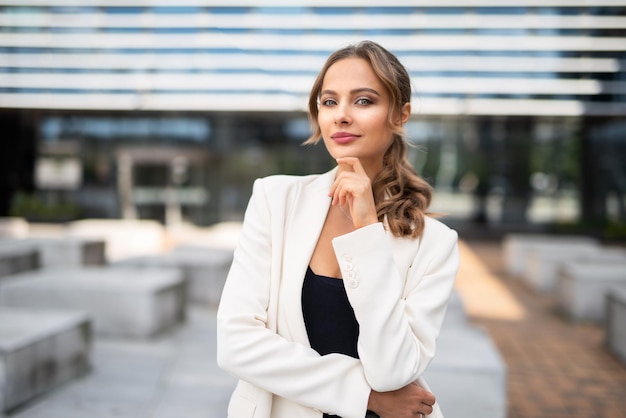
{"x": 398, "y": 288}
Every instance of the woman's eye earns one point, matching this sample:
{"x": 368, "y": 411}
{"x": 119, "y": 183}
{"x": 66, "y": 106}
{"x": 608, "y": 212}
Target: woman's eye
{"x": 363, "y": 101}
{"x": 328, "y": 102}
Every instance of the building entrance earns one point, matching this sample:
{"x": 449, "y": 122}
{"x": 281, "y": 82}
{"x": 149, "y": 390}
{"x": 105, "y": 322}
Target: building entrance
{"x": 169, "y": 184}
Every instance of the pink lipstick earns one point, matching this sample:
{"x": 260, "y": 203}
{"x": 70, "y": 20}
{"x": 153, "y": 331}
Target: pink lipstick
{"x": 344, "y": 137}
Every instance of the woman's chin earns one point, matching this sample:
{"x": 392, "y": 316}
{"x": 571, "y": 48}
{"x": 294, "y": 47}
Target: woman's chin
{"x": 341, "y": 153}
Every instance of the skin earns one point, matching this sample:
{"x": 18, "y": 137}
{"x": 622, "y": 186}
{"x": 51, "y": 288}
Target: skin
{"x": 353, "y": 118}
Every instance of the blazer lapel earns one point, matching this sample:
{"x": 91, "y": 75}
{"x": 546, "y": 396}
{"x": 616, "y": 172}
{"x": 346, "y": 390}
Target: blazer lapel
{"x": 303, "y": 229}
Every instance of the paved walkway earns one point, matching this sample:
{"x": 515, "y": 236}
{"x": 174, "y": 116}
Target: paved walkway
{"x": 556, "y": 369}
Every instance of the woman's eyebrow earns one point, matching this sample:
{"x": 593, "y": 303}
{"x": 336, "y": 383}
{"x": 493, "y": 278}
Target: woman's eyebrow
{"x": 364, "y": 89}
{"x": 354, "y": 91}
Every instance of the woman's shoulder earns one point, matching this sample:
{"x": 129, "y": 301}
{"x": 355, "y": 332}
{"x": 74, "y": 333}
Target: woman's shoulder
{"x": 287, "y": 180}
{"x": 436, "y": 229}
{"x": 278, "y": 183}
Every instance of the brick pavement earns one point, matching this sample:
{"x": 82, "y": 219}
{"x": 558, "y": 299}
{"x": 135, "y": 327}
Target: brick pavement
{"x": 556, "y": 368}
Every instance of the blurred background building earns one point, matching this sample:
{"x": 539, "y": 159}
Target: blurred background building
{"x": 168, "y": 110}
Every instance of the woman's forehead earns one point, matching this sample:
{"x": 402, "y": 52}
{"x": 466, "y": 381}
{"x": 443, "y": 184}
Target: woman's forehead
{"x": 350, "y": 74}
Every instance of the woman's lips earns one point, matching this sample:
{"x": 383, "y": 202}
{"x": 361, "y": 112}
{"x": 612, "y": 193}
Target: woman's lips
{"x": 344, "y": 137}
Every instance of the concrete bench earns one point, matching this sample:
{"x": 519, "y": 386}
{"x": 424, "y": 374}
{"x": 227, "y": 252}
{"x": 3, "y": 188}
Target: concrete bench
{"x": 123, "y": 302}
{"x": 40, "y": 350}
{"x": 204, "y": 269}
{"x": 69, "y": 251}
{"x": 468, "y": 374}
{"x": 517, "y": 246}
{"x": 543, "y": 264}
{"x": 17, "y": 257}
{"x": 616, "y": 321}
{"x": 123, "y": 237}
{"x": 13, "y": 227}
{"x": 582, "y": 286}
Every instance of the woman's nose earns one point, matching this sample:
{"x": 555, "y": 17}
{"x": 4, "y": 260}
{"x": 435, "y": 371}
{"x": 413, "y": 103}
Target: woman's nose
{"x": 342, "y": 115}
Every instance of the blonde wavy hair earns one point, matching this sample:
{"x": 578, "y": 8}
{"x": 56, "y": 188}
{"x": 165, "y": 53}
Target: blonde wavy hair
{"x": 400, "y": 194}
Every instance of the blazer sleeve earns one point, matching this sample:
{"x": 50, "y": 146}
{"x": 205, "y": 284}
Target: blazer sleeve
{"x": 399, "y": 313}
{"x": 247, "y": 344}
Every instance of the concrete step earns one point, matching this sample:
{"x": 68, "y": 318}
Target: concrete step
{"x": 123, "y": 302}
{"x": 40, "y": 349}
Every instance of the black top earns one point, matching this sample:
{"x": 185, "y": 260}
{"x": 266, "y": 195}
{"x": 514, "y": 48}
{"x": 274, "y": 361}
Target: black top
{"x": 329, "y": 318}
{"x": 328, "y": 315}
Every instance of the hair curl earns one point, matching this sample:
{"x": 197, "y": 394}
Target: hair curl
{"x": 401, "y": 195}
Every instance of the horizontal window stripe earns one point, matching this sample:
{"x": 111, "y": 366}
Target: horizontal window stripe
{"x": 311, "y": 3}
{"x": 300, "y": 84}
{"x": 311, "y": 63}
{"x": 357, "y": 21}
{"x": 262, "y": 103}
{"x": 262, "y": 41}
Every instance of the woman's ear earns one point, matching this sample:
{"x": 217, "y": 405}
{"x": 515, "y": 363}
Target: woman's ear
{"x": 406, "y": 112}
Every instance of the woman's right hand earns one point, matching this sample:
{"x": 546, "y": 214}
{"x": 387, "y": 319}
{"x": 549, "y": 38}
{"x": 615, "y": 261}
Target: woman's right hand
{"x": 407, "y": 402}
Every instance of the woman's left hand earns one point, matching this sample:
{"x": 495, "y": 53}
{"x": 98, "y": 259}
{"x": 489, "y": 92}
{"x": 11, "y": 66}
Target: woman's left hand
{"x": 353, "y": 188}
{"x": 410, "y": 401}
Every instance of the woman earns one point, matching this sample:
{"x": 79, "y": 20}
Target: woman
{"x": 340, "y": 281}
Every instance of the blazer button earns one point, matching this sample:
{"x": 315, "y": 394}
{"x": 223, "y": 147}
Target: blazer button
{"x": 348, "y": 266}
{"x": 353, "y": 283}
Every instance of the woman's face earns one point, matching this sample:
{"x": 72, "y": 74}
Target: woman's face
{"x": 353, "y": 113}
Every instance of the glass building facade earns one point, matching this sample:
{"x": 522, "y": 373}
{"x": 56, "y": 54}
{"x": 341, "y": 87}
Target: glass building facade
{"x": 169, "y": 109}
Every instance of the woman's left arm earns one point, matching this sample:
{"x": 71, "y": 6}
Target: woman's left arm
{"x": 399, "y": 312}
